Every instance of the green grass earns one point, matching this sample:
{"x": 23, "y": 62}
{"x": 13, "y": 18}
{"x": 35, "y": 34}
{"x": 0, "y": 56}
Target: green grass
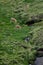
{"x": 13, "y": 48}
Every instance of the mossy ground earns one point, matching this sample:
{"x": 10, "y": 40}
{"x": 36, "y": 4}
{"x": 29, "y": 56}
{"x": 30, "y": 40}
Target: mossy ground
{"x": 13, "y": 48}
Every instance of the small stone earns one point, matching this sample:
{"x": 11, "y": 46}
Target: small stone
{"x": 29, "y": 64}
{"x": 18, "y": 26}
{"x": 26, "y": 39}
{"x": 13, "y": 20}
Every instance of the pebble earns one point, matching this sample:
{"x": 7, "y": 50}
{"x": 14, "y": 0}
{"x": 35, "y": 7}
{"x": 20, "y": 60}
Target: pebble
{"x": 13, "y": 20}
{"x": 26, "y": 39}
{"x": 18, "y": 26}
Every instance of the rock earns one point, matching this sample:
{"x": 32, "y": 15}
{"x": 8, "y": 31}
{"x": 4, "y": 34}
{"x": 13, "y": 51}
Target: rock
{"x": 39, "y": 61}
{"x": 29, "y": 64}
{"x": 27, "y": 39}
{"x": 13, "y": 20}
{"x": 18, "y": 26}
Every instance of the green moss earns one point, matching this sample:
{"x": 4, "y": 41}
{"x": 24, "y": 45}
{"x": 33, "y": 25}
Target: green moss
{"x": 13, "y": 48}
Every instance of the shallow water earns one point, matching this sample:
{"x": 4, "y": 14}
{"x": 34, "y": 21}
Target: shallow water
{"x": 39, "y": 61}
